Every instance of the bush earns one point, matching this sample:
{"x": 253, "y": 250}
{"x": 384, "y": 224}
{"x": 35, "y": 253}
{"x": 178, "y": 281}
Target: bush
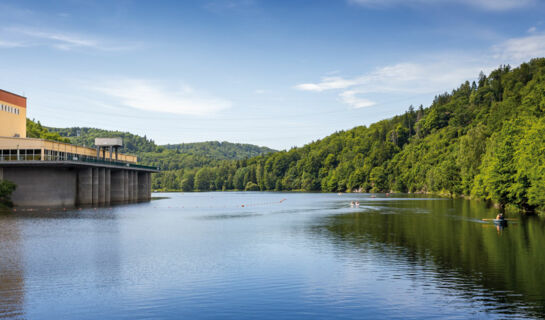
{"x": 6, "y": 189}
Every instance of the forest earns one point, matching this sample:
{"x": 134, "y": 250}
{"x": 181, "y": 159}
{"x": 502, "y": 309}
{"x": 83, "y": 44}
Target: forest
{"x": 484, "y": 139}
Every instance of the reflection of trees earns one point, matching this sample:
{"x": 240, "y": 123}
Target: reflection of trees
{"x": 464, "y": 253}
{"x": 11, "y": 269}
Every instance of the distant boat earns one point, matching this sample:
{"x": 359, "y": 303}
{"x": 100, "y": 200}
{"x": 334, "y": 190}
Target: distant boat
{"x": 500, "y": 222}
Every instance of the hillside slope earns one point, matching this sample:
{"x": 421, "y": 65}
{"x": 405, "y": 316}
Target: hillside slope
{"x": 484, "y": 139}
{"x": 168, "y": 157}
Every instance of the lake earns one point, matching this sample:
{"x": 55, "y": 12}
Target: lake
{"x": 237, "y": 255}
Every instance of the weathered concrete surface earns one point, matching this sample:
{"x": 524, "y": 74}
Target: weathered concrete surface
{"x": 107, "y": 186}
{"x": 54, "y": 185}
{"x": 101, "y": 186}
{"x": 95, "y": 186}
{"x": 43, "y": 187}
{"x": 131, "y": 186}
{"x": 126, "y": 177}
{"x": 135, "y": 190}
{"x": 118, "y": 186}
{"x": 143, "y": 186}
{"x": 85, "y": 186}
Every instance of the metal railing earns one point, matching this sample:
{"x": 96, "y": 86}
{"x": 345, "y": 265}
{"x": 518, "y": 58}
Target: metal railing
{"x": 11, "y": 158}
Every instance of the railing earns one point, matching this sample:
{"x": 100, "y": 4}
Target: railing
{"x": 11, "y": 158}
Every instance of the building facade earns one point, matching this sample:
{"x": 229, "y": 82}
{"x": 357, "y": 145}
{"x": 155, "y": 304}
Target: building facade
{"x": 12, "y": 115}
{"x": 56, "y": 174}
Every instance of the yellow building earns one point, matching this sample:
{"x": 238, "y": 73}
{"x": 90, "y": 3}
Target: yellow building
{"x": 14, "y": 146}
{"x": 12, "y": 115}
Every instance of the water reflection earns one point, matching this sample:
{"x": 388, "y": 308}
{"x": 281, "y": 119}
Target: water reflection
{"x": 312, "y": 256}
{"x": 11, "y": 268}
{"x": 500, "y": 268}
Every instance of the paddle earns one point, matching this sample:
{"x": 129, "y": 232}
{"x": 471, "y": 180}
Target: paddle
{"x": 497, "y": 219}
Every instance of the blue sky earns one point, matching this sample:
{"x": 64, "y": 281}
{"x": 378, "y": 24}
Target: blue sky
{"x": 273, "y": 73}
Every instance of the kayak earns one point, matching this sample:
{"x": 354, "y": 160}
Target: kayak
{"x": 500, "y": 222}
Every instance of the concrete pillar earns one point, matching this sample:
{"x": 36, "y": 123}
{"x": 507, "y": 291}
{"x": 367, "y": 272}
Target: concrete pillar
{"x": 108, "y": 186}
{"x": 101, "y": 186}
{"x": 95, "y": 186}
{"x": 142, "y": 186}
{"x": 135, "y": 173}
{"x": 1, "y": 174}
{"x": 142, "y": 180}
{"x": 126, "y": 182}
{"x": 149, "y": 186}
{"x": 117, "y": 186}
{"x": 131, "y": 186}
{"x": 85, "y": 186}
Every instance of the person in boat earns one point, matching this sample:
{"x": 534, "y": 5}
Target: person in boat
{"x": 357, "y": 203}
{"x": 500, "y": 216}
{"x": 352, "y": 203}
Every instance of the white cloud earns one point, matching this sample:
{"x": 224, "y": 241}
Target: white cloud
{"x": 432, "y": 76}
{"x": 327, "y": 83}
{"x": 532, "y": 29}
{"x": 27, "y": 37}
{"x": 11, "y": 44}
{"x": 518, "y": 49}
{"x": 219, "y": 6}
{"x": 349, "y": 97}
{"x": 150, "y": 96}
{"x": 411, "y": 78}
{"x": 493, "y": 5}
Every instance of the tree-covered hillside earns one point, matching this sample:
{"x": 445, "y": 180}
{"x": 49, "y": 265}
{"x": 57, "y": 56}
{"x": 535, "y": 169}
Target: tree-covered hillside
{"x": 221, "y": 150}
{"x": 168, "y": 157}
{"x": 484, "y": 139}
{"x": 36, "y": 130}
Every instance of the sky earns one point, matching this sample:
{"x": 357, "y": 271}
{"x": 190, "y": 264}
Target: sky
{"x": 274, "y": 73}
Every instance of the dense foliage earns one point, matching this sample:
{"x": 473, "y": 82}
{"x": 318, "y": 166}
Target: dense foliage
{"x": 6, "y": 189}
{"x": 484, "y": 139}
{"x": 36, "y": 130}
{"x": 167, "y": 157}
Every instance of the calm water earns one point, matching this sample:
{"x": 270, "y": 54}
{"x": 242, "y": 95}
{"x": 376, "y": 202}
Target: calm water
{"x": 282, "y": 255}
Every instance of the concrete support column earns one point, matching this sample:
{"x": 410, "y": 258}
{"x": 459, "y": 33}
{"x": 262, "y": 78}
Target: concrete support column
{"x": 149, "y": 186}
{"x": 95, "y": 186}
{"x": 135, "y": 173}
{"x": 131, "y": 186}
{"x": 101, "y": 186}
{"x": 142, "y": 186}
{"x": 126, "y": 182}
{"x": 85, "y": 186}
{"x": 1, "y": 174}
{"x": 117, "y": 186}
{"x": 108, "y": 186}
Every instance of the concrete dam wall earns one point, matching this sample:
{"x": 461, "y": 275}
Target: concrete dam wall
{"x": 62, "y": 185}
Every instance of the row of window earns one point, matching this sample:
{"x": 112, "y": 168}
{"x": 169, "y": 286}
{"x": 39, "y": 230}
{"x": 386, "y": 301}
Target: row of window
{"x": 5, "y": 107}
{"x": 36, "y": 154}
{"x": 24, "y": 154}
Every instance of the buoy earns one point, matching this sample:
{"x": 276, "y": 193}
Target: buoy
{"x": 242, "y": 206}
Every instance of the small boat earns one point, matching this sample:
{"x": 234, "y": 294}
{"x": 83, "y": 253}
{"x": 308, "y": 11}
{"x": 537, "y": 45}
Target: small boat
{"x": 500, "y": 222}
